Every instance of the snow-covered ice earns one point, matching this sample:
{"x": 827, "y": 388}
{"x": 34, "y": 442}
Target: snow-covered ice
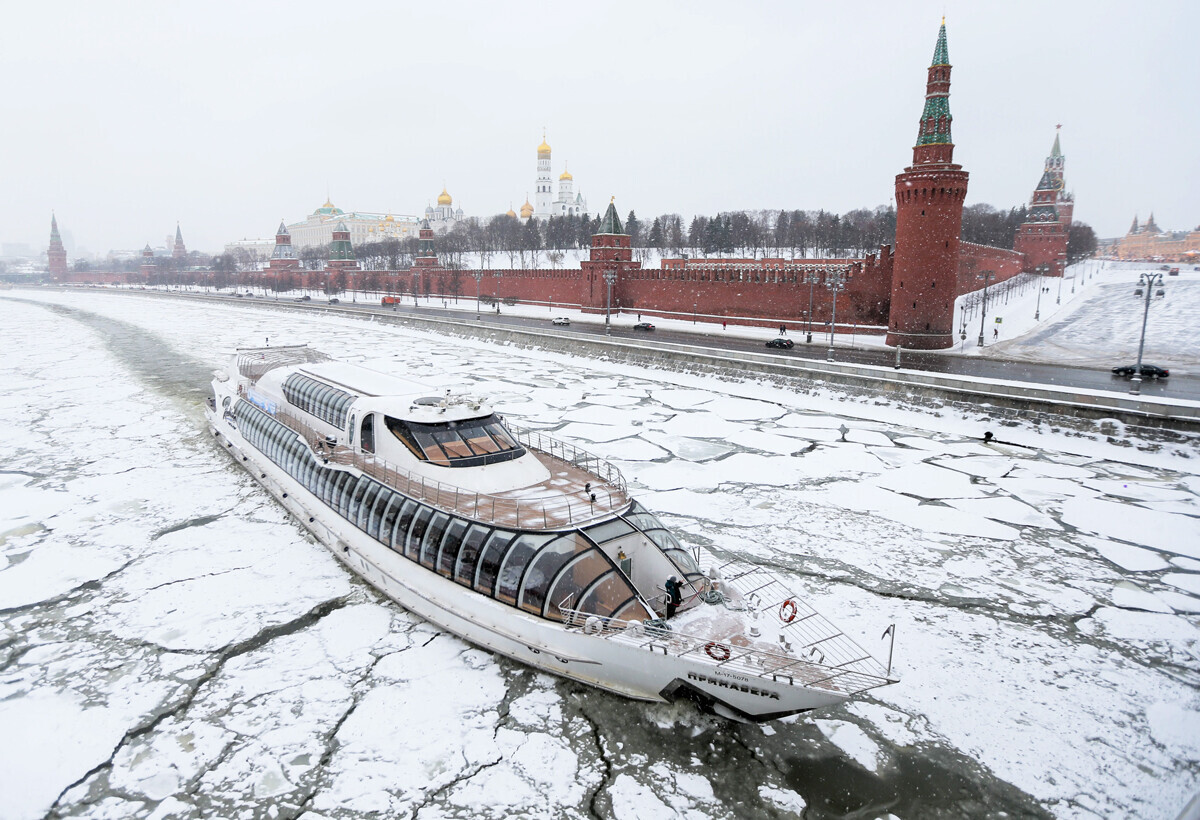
{"x": 173, "y": 645}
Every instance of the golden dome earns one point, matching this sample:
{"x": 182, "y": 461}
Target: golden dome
{"x": 544, "y": 148}
{"x": 444, "y": 198}
{"x": 526, "y": 209}
{"x": 389, "y": 218}
{"x": 510, "y": 212}
{"x": 565, "y": 175}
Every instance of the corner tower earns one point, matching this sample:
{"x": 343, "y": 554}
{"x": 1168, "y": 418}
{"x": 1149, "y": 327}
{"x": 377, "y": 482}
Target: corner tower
{"x": 929, "y": 206}
{"x": 56, "y": 253}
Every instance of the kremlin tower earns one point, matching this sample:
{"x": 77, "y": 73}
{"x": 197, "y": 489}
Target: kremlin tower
{"x": 1043, "y": 236}
{"x": 341, "y": 251}
{"x": 283, "y": 257}
{"x": 56, "y": 253}
{"x": 929, "y": 206}
{"x": 180, "y": 250}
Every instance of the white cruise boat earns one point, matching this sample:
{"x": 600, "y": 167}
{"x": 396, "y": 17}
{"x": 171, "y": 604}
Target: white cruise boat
{"x": 522, "y": 544}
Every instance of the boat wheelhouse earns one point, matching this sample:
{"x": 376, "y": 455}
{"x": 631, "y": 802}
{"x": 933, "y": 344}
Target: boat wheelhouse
{"x": 522, "y": 543}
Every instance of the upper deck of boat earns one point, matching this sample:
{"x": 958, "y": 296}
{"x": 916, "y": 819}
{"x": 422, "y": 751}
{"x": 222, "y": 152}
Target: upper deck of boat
{"x": 581, "y": 487}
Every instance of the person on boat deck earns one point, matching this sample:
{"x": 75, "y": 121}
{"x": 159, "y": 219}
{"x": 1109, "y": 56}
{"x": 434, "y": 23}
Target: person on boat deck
{"x": 674, "y": 596}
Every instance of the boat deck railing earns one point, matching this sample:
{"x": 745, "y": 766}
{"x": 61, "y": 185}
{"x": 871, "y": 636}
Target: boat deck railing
{"x": 813, "y": 652}
{"x": 577, "y": 502}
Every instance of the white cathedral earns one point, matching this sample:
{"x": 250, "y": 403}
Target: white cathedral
{"x": 546, "y": 204}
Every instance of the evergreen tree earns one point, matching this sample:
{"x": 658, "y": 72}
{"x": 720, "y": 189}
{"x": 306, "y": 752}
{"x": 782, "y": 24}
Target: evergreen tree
{"x": 655, "y": 238}
{"x": 633, "y": 227}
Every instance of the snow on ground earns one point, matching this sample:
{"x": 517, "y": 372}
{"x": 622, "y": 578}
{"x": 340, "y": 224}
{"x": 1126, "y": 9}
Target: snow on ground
{"x": 214, "y": 661}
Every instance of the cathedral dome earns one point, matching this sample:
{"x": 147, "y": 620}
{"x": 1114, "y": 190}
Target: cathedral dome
{"x": 566, "y": 175}
{"x": 526, "y": 210}
{"x": 544, "y": 148}
{"x": 511, "y": 212}
{"x": 444, "y": 198}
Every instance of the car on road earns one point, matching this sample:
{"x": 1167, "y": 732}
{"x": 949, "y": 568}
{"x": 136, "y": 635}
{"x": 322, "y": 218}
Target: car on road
{"x": 1173, "y": 272}
{"x": 643, "y": 326}
{"x": 560, "y": 320}
{"x": 304, "y": 298}
{"x": 781, "y": 343}
{"x": 1149, "y": 371}
{"x": 334, "y": 301}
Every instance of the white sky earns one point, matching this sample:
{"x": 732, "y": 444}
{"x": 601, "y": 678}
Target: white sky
{"x": 127, "y": 116}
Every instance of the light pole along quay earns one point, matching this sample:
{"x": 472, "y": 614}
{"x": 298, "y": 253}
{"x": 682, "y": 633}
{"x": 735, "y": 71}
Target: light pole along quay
{"x": 986, "y": 276}
{"x": 610, "y": 276}
{"x": 1149, "y": 286}
{"x": 835, "y": 280}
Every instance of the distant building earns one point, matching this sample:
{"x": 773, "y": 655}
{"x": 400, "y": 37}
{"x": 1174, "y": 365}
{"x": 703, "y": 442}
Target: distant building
{"x": 445, "y": 216}
{"x": 363, "y": 226}
{"x": 178, "y": 250}
{"x": 1148, "y": 241}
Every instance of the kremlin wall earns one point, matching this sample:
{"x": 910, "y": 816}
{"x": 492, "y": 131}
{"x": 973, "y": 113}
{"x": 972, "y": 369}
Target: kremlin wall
{"x": 908, "y": 292}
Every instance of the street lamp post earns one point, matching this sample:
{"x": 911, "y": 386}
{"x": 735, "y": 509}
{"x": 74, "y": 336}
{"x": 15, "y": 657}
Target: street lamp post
{"x": 610, "y": 276}
{"x": 478, "y": 278}
{"x": 1058, "y": 299}
{"x": 693, "y": 313}
{"x": 811, "y": 277}
{"x": 835, "y": 281}
{"x": 1037, "y": 312}
{"x": 986, "y": 276}
{"x": 1149, "y": 285}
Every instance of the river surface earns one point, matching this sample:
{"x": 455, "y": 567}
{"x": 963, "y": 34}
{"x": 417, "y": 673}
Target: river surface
{"x": 172, "y": 643}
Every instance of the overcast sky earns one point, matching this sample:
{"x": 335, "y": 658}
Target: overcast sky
{"x": 125, "y": 117}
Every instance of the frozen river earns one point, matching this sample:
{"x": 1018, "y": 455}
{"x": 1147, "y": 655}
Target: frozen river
{"x": 172, "y": 645}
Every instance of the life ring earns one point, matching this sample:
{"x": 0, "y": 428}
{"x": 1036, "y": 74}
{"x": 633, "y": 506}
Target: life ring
{"x": 717, "y": 651}
{"x": 787, "y": 611}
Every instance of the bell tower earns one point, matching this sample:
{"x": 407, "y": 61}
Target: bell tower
{"x": 929, "y": 206}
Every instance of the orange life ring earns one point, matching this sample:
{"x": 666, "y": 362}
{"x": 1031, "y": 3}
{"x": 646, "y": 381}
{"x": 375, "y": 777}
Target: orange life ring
{"x": 717, "y": 651}
{"x": 787, "y": 611}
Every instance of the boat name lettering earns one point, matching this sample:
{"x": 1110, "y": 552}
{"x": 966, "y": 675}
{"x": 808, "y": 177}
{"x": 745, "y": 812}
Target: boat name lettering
{"x": 762, "y": 693}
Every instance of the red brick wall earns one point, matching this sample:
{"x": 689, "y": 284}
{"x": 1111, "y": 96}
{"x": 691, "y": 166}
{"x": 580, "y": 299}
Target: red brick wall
{"x": 974, "y": 259}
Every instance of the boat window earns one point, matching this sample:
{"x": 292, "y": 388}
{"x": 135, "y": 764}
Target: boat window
{"x": 318, "y": 399}
{"x": 368, "y": 503}
{"x": 367, "y": 438}
{"x": 412, "y": 547}
{"x": 387, "y": 507}
{"x": 544, "y": 567}
{"x": 515, "y": 563}
{"x": 467, "y": 443}
{"x": 450, "y": 544}
{"x": 609, "y": 531}
{"x": 576, "y": 576}
{"x": 468, "y": 554}
{"x": 337, "y": 488}
{"x": 352, "y": 497}
{"x": 607, "y": 596}
{"x": 399, "y": 536}
{"x": 490, "y": 560}
{"x": 433, "y": 539}
{"x": 664, "y": 540}
{"x": 633, "y": 611}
